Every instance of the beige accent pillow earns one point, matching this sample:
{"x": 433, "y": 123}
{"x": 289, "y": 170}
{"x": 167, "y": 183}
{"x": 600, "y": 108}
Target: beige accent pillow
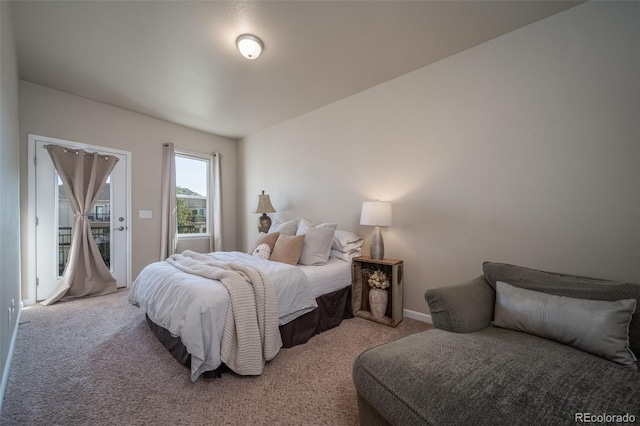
{"x": 287, "y": 249}
{"x": 268, "y": 239}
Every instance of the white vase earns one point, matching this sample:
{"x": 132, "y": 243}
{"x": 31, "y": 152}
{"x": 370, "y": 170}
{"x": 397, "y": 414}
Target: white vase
{"x": 378, "y": 299}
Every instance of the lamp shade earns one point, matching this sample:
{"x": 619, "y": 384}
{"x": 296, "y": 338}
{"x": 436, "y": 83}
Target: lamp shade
{"x": 376, "y": 213}
{"x": 264, "y": 204}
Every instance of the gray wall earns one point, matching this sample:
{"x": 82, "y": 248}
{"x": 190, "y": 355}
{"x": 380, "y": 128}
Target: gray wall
{"x": 9, "y": 190}
{"x": 525, "y": 149}
{"x": 48, "y": 112}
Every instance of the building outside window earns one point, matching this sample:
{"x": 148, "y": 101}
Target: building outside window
{"x": 192, "y": 194}
{"x": 99, "y": 218}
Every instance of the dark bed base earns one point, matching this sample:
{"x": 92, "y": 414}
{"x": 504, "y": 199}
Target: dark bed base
{"x": 332, "y": 309}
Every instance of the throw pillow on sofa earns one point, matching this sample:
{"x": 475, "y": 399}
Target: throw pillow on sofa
{"x": 567, "y": 285}
{"x": 595, "y": 326}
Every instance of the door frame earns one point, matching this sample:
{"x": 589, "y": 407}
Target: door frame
{"x": 31, "y": 205}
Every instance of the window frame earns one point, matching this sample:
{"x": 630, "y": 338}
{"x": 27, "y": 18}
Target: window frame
{"x": 207, "y": 160}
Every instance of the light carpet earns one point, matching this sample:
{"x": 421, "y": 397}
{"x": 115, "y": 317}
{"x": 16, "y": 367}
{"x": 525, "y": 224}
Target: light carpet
{"x": 95, "y": 362}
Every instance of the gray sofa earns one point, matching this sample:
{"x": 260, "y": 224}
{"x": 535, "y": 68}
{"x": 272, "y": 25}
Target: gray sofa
{"x": 469, "y": 372}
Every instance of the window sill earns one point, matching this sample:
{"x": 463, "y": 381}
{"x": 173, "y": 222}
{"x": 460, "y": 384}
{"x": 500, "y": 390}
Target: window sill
{"x": 193, "y": 237}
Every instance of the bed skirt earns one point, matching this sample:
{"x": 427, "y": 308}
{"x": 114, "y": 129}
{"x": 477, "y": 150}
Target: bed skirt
{"x": 332, "y": 309}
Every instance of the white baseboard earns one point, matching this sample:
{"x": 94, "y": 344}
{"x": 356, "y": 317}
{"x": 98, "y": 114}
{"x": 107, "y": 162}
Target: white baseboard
{"x": 417, "y": 316}
{"x": 7, "y": 365}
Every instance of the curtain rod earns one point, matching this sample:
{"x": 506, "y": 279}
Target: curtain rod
{"x": 215, "y": 154}
{"x": 77, "y": 151}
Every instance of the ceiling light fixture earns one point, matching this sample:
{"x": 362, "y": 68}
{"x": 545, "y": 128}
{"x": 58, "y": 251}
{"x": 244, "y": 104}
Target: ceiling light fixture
{"x": 249, "y": 45}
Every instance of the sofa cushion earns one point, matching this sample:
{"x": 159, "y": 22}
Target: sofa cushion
{"x": 570, "y": 286}
{"x": 596, "y": 326}
{"x": 490, "y": 377}
{"x": 462, "y": 308}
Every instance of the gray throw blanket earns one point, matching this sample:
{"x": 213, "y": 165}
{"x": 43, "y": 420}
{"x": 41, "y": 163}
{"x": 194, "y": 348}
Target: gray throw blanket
{"x": 251, "y": 335}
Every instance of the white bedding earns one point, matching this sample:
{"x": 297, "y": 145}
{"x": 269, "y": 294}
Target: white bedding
{"x": 332, "y": 276}
{"x": 195, "y": 308}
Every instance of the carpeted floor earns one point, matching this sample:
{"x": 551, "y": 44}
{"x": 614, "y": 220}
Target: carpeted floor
{"x": 95, "y": 362}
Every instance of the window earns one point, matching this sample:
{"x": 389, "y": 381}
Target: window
{"x": 192, "y": 195}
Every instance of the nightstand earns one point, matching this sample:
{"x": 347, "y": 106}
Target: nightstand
{"x": 393, "y": 268}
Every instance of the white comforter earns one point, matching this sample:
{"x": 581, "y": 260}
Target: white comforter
{"x": 194, "y": 308}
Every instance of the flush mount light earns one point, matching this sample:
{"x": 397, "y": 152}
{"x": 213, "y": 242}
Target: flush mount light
{"x": 249, "y": 45}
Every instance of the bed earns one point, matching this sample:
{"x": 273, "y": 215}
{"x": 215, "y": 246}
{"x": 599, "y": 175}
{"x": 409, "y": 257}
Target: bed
{"x": 187, "y": 312}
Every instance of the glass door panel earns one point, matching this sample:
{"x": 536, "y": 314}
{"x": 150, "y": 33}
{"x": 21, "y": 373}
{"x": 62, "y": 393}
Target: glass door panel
{"x": 99, "y": 218}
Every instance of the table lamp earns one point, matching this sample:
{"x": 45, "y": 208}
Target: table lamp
{"x": 264, "y": 207}
{"x": 376, "y": 213}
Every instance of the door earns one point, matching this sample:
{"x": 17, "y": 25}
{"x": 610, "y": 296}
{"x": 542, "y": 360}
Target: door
{"x": 54, "y": 218}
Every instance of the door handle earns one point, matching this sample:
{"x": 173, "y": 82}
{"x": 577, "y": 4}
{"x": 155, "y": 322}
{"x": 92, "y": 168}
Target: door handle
{"x": 119, "y": 228}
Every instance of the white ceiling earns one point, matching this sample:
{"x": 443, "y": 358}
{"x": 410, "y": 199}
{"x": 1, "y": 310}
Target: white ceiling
{"x": 177, "y": 60}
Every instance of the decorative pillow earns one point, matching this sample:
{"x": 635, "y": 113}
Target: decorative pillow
{"x": 317, "y": 242}
{"x": 570, "y": 286}
{"x": 303, "y": 223}
{"x": 268, "y": 239}
{"x": 286, "y": 228}
{"x": 345, "y": 241}
{"x": 350, "y": 246}
{"x": 346, "y": 256}
{"x": 263, "y": 251}
{"x": 595, "y": 326}
{"x": 287, "y": 249}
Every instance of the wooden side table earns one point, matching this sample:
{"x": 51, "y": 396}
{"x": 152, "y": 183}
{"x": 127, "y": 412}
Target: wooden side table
{"x": 393, "y": 268}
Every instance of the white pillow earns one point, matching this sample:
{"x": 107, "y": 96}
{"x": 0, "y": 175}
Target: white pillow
{"x": 317, "y": 242}
{"x": 286, "y": 228}
{"x": 346, "y": 256}
{"x": 303, "y": 224}
{"x": 345, "y": 241}
{"x": 263, "y": 251}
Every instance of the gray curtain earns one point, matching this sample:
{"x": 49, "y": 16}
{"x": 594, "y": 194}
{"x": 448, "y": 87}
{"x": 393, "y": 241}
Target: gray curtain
{"x": 169, "y": 231}
{"x": 83, "y": 174}
{"x": 215, "y": 208}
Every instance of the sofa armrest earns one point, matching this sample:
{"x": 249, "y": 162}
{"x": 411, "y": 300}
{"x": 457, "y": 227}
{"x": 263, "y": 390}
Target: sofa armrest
{"x": 462, "y": 308}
